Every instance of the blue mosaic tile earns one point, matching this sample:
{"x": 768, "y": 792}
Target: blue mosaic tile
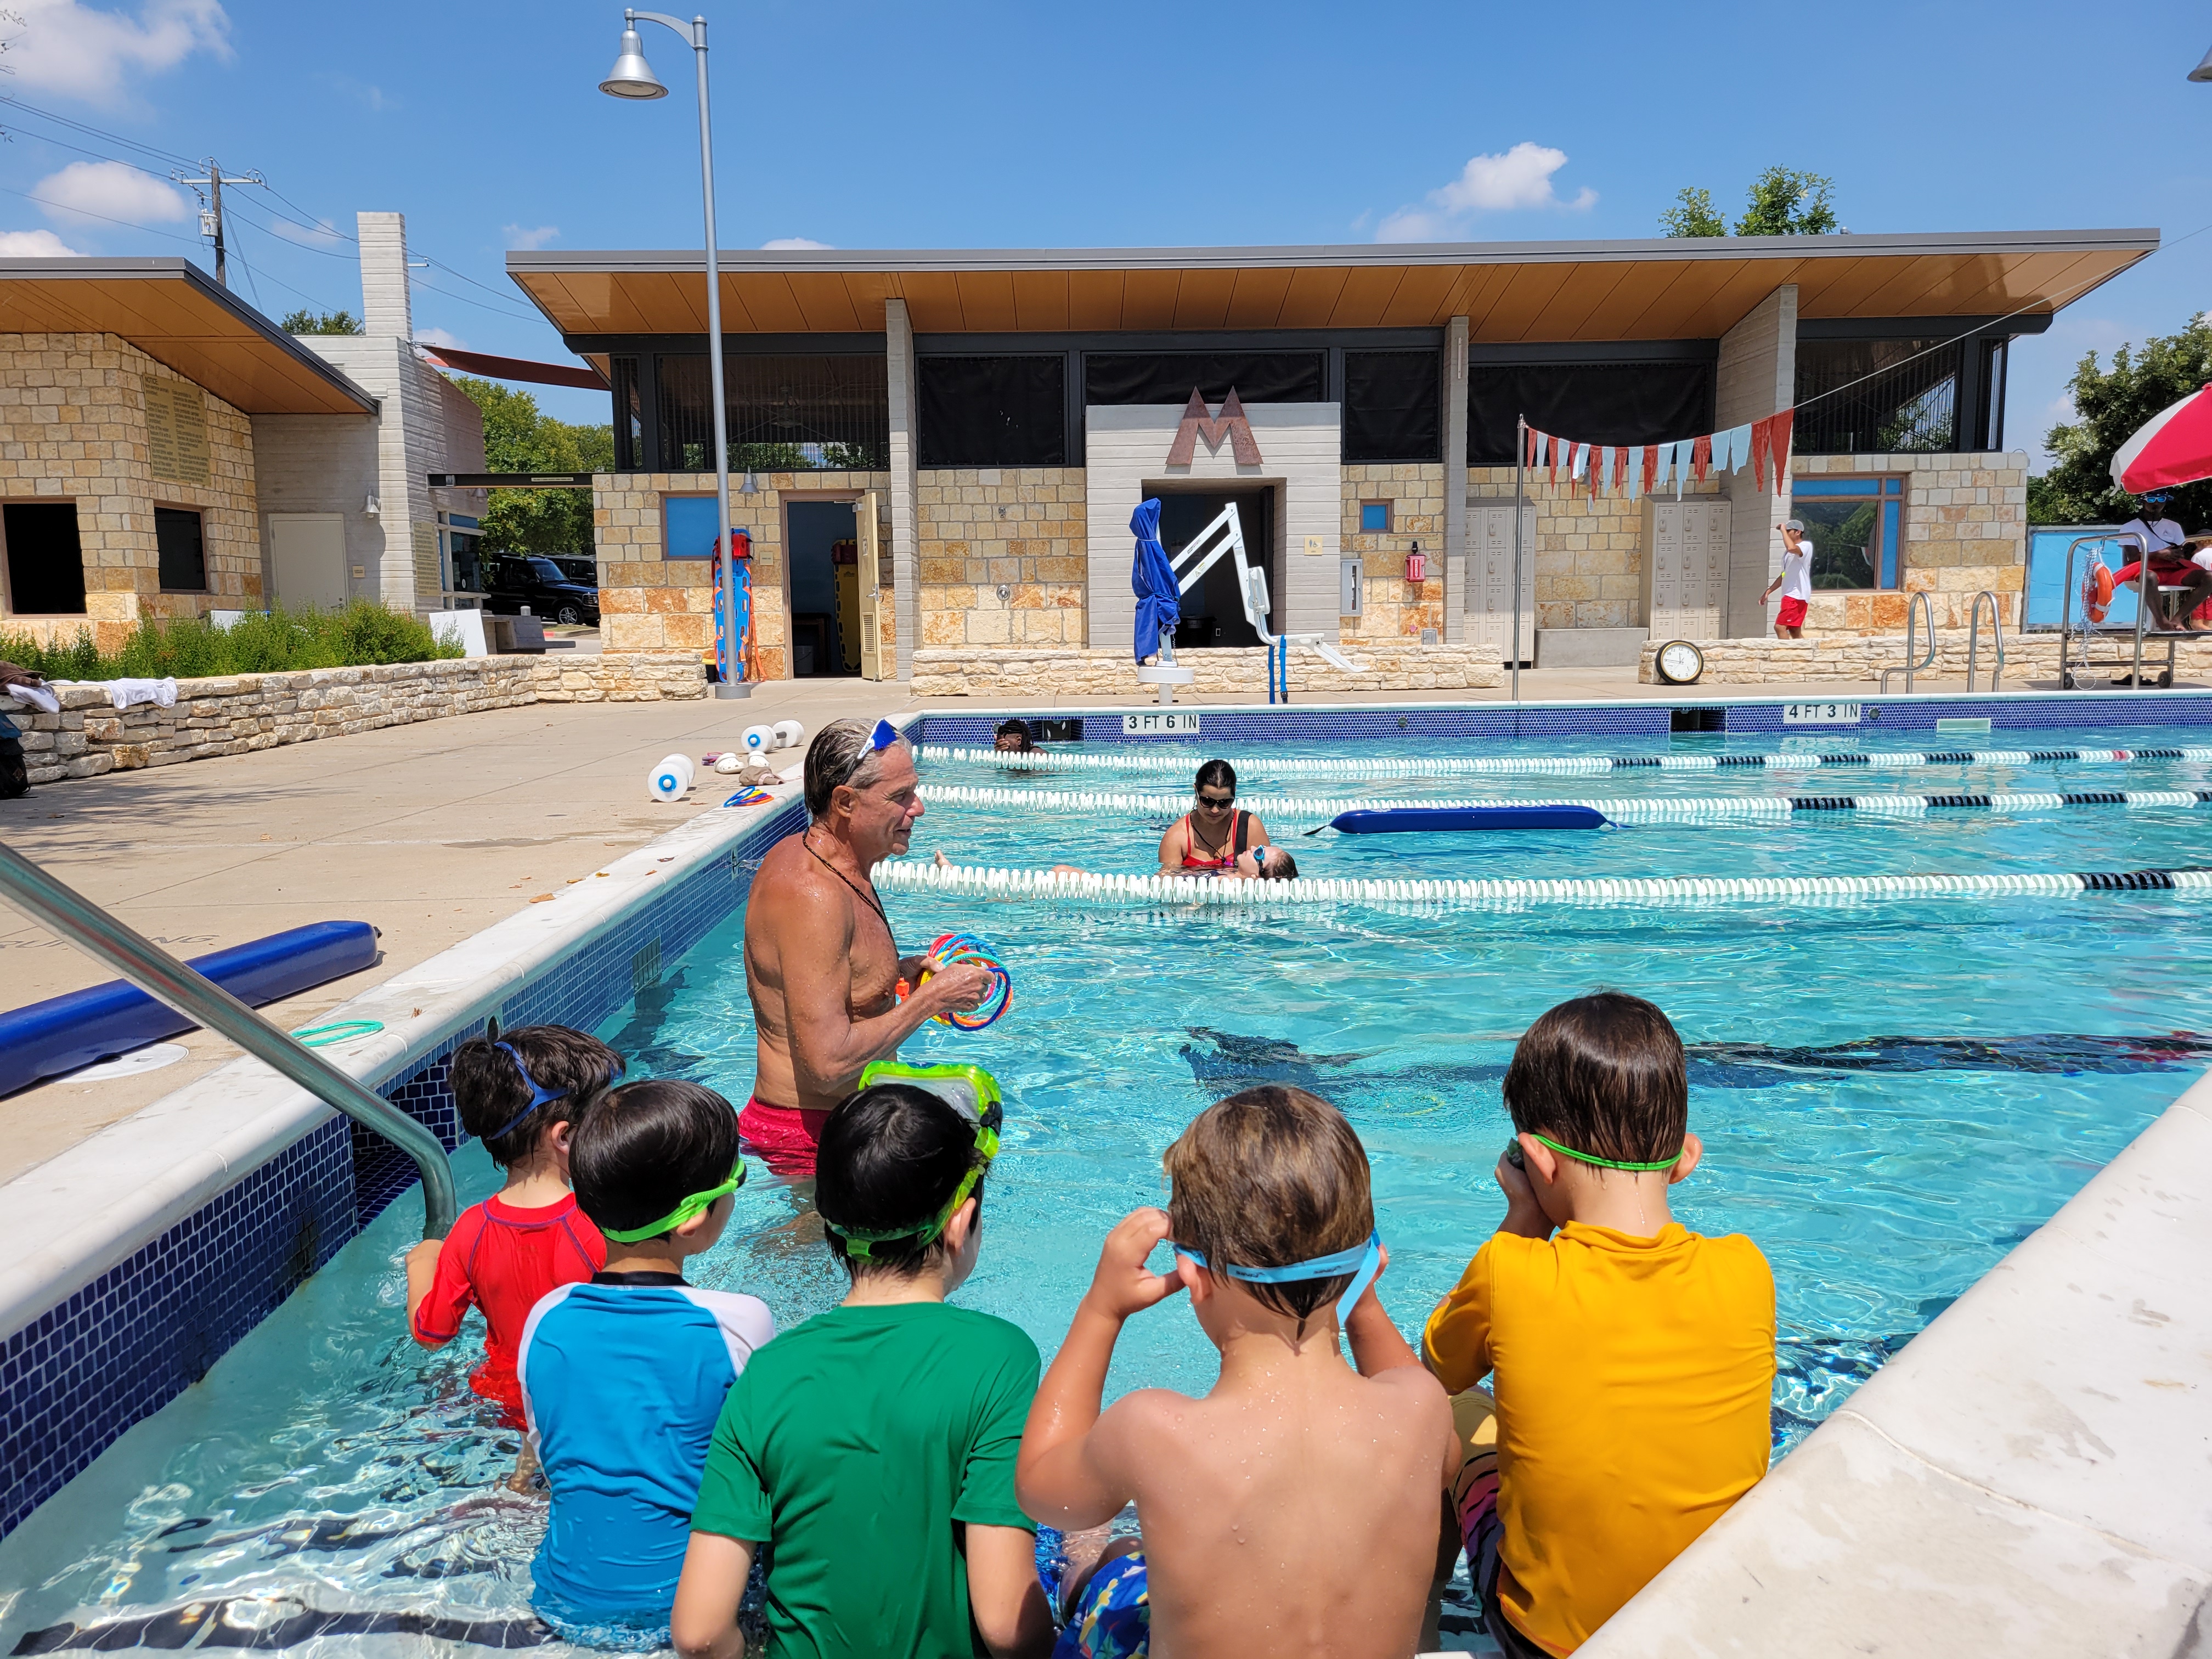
{"x": 2054, "y": 712}
{"x": 124, "y": 1345}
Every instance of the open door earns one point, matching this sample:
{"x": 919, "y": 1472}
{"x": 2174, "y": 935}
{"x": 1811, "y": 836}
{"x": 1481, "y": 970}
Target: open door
{"x": 873, "y": 666}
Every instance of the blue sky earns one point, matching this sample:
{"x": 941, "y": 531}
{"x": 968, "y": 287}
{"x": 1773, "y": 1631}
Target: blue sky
{"x": 870, "y": 125}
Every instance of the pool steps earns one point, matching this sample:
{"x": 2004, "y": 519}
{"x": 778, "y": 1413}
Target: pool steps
{"x": 1358, "y": 765}
{"x": 1619, "y": 809}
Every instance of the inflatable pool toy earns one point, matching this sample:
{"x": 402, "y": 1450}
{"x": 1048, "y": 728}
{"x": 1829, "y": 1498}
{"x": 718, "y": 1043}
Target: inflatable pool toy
{"x": 2097, "y": 592}
{"x": 949, "y": 948}
{"x": 1405, "y": 820}
{"x": 671, "y": 779}
{"x": 788, "y": 734}
{"x": 758, "y": 741}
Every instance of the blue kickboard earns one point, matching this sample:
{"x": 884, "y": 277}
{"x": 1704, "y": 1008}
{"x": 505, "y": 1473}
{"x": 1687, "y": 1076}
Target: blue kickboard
{"x": 63, "y": 1033}
{"x": 1407, "y": 820}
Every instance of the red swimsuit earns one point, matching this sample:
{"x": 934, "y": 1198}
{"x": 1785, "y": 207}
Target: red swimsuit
{"x": 1223, "y": 863}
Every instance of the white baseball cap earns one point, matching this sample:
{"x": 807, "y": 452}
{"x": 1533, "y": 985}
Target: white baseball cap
{"x": 1797, "y": 525}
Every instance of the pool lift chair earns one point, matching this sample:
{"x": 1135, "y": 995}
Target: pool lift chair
{"x": 1225, "y": 535}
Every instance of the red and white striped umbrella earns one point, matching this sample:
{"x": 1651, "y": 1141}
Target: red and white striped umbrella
{"x": 2174, "y": 446}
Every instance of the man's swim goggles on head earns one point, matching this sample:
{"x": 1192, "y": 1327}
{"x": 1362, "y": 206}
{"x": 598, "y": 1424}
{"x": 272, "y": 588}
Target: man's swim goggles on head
{"x": 967, "y": 1089}
{"x": 1362, "y": 1262}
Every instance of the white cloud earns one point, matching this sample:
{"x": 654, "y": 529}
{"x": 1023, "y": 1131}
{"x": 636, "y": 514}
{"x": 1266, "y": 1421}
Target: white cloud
{"x": 786, "y": 243}
{"x": 35, "y": 245}
{"x": 1519, "y": 179}
{"x": 91, "y": 192}
{"x": 439, "y": 337}
{"x": 85, "y": 52}
{"x": 523, "y": 237}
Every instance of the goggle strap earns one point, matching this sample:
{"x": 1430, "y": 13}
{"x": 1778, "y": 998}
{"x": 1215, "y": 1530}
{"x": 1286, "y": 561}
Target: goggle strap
{"x": 696, "y": 1204}
{"x": 1608, "y": 1163}
{"x": 1362, "y": 1262}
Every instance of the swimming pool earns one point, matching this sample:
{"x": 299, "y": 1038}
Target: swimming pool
{"x": 327, "y": 1464}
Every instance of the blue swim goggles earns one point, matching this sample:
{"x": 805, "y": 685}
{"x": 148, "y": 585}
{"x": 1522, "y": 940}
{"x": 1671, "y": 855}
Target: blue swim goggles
{"x": 1363, "y": 1261}
{"x": 539, "y": 1095}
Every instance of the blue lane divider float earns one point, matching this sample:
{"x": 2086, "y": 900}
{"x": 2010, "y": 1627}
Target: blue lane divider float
{"x": 64, "y": 1032}
{"x": 1411, "y": 820}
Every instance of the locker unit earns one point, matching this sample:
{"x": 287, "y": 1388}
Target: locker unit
{"x": 1685, "y": 567}
{"x": 1489, "y": 577}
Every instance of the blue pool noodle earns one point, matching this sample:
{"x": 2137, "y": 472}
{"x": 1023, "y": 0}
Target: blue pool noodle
{"x": 63, "y": 1033}
{"x": 1407, "y": 820}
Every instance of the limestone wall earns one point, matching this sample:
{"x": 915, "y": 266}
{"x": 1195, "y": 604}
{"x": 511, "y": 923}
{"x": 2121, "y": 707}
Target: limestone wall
{"x": 246, "y": 712}
{"x": 981, "y": 529}
{"x": 1965, "y": 529}
{"x": 1392, "y": 607}
{"x": 1845, "y": 657}
{"x": 1011, "y": 674}
{"x": 73, "y": 427}
{"x": 1589, "y": 552}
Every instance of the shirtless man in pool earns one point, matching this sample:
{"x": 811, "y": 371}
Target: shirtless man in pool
{"x": 821, "y": 965}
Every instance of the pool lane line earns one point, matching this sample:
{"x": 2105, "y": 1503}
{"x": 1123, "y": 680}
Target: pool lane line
{"x": 1097, "y": 888}
{"x": 1291, "y": 809}
{"x": 1540, "y": 765}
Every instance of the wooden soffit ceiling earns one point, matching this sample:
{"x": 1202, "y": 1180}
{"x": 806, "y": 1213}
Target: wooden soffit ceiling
{"x": 171, "y": 310}
{"x": 1510, "y": 292}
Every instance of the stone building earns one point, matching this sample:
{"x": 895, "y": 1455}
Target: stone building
{"x": 167, "y": 450}
{"x": 984, "y": 423}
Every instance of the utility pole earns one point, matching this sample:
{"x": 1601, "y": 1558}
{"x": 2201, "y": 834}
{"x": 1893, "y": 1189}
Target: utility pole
{"x": 211, "y": 217}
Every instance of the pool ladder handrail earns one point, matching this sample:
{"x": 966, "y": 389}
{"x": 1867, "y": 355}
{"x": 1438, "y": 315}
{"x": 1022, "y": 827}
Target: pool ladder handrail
{"x": 1919, "y": 605}
{"x": 68, "y": 914}
{"x": 1974, "y": 639}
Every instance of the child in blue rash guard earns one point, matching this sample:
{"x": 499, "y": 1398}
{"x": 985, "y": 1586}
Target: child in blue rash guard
{"x": 623, "y": 1376}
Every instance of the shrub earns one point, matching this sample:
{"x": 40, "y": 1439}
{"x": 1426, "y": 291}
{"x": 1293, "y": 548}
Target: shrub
{"x": 275, "y": 641}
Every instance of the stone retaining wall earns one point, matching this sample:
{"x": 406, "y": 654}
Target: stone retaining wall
{"x": 1015, "y": 675}
{"x": 1852, "y": 658}
{"x": 245, "y": 711}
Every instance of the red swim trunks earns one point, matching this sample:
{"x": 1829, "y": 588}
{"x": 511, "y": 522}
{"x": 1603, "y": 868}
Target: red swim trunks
{"x": 782, "y": 1137}
{"x": 1791, "y": 614}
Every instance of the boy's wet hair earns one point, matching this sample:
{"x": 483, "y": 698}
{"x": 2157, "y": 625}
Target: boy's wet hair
{"x": 892, "y": 1156}
{"x": 644, "y": 1148}
{"x": 1603, "y": 1074}
{"x": 489, "y": 1093}
{"x": 1267, "y": 1178}
{"x": 1278, "y": 866}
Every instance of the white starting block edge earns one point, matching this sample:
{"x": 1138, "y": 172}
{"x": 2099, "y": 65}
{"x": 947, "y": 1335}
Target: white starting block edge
{"x": 1165, "y": 674}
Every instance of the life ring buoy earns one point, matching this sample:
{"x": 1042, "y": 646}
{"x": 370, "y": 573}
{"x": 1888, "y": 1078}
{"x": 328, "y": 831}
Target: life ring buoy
{"x": 2097, "y": 592}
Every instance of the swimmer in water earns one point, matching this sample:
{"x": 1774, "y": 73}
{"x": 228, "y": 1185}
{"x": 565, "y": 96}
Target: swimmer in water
{"x": 1210, "y": 838}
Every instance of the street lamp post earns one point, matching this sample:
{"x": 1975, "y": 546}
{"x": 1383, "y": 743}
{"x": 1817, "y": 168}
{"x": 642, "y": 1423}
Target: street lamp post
{"x": 632, "y": 78}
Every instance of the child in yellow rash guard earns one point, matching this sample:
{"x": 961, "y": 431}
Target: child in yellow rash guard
{"x": 1633, "y": 1360}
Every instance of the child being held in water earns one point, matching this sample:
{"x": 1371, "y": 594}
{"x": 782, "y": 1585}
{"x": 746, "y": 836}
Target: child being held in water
{"x": 1634, "y": 1360}
{"x": 1294, "y": 1510}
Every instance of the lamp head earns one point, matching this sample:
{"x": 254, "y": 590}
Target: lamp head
{"x": 632, "y": 76}
{"x": 2203, "y": 70}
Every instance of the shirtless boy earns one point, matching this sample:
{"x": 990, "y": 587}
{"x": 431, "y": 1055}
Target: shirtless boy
{"x": 1294, "y": 1510}
{"x": 821, "y": 965}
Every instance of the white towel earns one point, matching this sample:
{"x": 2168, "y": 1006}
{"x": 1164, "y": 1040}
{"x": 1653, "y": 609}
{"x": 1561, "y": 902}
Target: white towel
{"x": 37, "y": 696}
{"x": 124, "y": 693}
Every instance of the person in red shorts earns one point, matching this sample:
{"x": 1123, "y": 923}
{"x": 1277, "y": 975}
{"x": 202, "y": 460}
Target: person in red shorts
{"x": 830, "y": 991}
{"x": 1795, "y": 582}
{"x": 519, "y": 1094}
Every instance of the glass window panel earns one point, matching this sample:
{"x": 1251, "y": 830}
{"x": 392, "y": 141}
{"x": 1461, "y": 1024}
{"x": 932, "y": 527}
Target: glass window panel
{"x": 1167, "y": 377}
{"x": 993, "y": 411}
{"x": 1876, "y": 396}
{"x": 1846, "y": 538}
{"x": 182, "y": 554}
{"x": 1374, "y": 517}
{"x": 1892, "y": 539}
{"x": 629, "y": 415}
{"x": 1589, "y": 403}
{"x": 787, "y": 414}
{"x": 1837, "y": 486}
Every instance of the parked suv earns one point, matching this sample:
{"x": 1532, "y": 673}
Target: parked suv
{"x": 512, "y": 581}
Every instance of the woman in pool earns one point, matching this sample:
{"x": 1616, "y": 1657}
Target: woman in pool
{"x": 1208, "y": 839}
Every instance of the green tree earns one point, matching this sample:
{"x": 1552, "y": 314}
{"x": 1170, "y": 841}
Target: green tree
{"x": 320, "y": 322}
{"x": 2109, "y": 405}
{"x": 520, "y": 437}
{"x": 1779, "y": 202}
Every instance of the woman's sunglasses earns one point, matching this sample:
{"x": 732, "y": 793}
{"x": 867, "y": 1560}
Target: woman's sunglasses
{"x": 1217, "y": 802}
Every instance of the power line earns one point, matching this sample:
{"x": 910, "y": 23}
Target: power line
{"x": 87, "y": 213}
{"x": 167, "y": 155}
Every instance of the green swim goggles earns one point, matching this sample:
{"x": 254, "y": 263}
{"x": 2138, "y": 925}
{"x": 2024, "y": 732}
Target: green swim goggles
{"x": 1514, "y": 1154}
{"x": 969, "y": 1090}
{"x": 696, "y": 1204}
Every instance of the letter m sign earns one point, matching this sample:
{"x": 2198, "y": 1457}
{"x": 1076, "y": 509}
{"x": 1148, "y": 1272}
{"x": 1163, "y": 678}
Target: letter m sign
{"x": 1197, "y": 423}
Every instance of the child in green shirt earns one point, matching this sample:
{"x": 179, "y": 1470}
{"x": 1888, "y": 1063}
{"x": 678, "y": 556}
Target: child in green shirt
{"x": 871, "y": 1450}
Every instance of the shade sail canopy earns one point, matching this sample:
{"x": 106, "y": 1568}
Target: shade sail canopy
{"x": 178, "y": 316}
{"x": 1658, "y": 289}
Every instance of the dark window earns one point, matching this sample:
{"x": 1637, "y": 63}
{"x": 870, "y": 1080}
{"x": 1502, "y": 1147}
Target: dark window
{"x": 629, "y": 415}
{"x": 993, "y": 411}
{"x": 1167, "y": 377}
{"x": 183, "y": 554}
{"x": 1877, "y": 397}
{"x": 1589, "y": 403}
{"x": 45, "y": 563}
{"x": 1390, "y": 410}
{"x": 795, "y": 414}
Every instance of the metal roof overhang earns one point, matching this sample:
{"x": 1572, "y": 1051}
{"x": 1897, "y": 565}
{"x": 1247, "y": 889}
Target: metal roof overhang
{"x": 176, "y": 315}
{"x": 1658, "y": 289}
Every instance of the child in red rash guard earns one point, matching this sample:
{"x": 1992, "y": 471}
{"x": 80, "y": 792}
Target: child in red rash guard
{"x": 518, "y": 1095}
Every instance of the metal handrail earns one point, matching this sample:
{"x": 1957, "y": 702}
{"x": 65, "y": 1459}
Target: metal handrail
{"x": 1974, "y": 639}
{"x": 68, "y": 914}
{"x": 2068, "y": 594}
{"x": 1918, "y": 606}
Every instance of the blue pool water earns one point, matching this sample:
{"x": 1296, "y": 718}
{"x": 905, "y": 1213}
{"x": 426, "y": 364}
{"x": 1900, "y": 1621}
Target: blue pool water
{"x": 327, "y": 1462}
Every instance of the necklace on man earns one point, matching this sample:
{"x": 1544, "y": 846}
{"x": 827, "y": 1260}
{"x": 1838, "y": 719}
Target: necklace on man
{"x": 874, "y": 903}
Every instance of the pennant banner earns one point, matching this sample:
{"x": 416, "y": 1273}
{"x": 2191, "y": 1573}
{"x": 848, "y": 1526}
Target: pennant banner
{"x": 1632, "y": 471}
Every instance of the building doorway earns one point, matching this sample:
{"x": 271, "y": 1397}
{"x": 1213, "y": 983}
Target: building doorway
{"x": 45, "y": 561}
{"x": 1213, "y": 610}
{"x": 825, "y": 589}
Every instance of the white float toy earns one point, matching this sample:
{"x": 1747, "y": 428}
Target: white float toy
{"x": 788, "y": 734}
{"x": 670, "y": 780}
{"x": 757, "y": 741}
